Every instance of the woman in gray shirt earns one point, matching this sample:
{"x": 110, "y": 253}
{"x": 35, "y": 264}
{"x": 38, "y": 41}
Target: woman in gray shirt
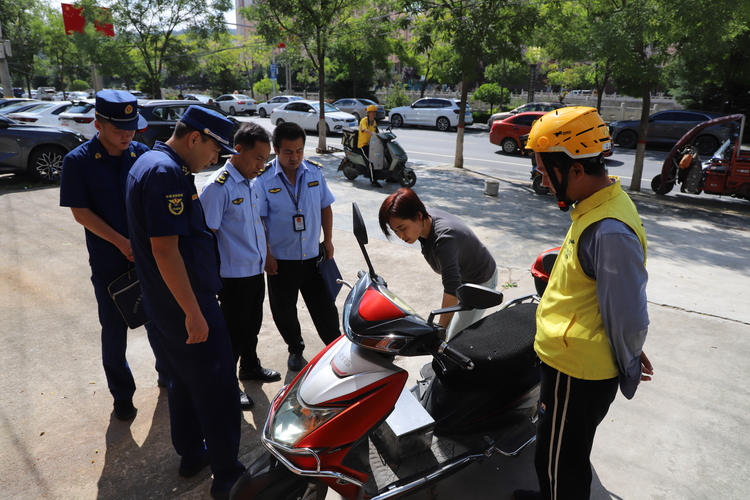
{"x": 450, "y": 247}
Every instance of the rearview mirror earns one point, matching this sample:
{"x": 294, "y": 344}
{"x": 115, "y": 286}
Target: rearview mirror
{"x": 358, "y": 225}
{"x": 478, "y": 297}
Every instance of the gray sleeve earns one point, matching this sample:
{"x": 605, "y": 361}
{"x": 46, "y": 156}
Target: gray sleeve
{"x": 611, "y": 253}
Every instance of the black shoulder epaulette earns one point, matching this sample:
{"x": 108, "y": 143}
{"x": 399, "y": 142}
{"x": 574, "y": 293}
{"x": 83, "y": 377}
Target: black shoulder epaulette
{"x": 315, "y": 163}
{"x": 223, "y": 177}
{"x": 266, "y": 168}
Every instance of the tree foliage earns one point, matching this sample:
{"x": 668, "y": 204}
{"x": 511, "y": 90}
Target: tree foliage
{"x": 312, "y": 23}
{"x": 151, "y": 26}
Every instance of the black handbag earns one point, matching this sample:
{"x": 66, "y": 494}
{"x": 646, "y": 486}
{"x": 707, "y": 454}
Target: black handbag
{"x": 126, "y": 292}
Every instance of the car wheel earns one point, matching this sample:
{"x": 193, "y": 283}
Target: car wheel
{"x": 536, "y": 184}
{"x": 279, "y": 121}
{"x": 656, "y": 185}
{"x": 443, "y": 124}
{"x": 706, "y": 145}
{"x": 232, "y": 111}
{"x": 509, "y": 146}
{"x": 357, "y": 117}
{"x": 627, "y": 139}
{"x": 328, "y": 130}
{"x": 45, "y": 163}
{"x": 397, "y": 121}
{"x": 262, "y": 112}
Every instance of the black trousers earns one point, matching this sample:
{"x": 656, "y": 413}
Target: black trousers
{"x": 241, "y": 301}
{"x": 570, "y": 410}
{"x": 295, "y": 277}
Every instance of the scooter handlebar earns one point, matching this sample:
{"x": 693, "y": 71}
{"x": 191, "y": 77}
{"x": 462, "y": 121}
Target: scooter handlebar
{"x": 443, "y": 349}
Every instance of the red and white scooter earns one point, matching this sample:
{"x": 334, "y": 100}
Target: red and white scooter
{"x": 347, "y": 422}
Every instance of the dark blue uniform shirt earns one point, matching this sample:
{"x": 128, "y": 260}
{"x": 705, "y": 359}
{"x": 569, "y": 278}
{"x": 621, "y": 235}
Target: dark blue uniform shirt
{"x": 93, "y": 179}
{"x": 162, "y": 201}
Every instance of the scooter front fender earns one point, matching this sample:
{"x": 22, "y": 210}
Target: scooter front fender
{"x": 268, "y": 479}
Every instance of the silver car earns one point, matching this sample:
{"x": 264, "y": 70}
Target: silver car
{"x": 357, "y": 107}
{"x": 267, "y": 107}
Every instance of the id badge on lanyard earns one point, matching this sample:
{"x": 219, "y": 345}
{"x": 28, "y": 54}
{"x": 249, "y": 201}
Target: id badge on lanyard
{"x": 298, "y": 220}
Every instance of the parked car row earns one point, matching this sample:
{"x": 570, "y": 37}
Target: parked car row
{"x": 665, "y": 128}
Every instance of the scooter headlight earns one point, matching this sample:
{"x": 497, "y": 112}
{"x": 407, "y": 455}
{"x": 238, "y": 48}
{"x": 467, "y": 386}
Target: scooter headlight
{"x": 293, "y": 420}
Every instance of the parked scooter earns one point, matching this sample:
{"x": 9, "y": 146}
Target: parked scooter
{"x": 394, "y": 159}
{"x": 346, "y": 422}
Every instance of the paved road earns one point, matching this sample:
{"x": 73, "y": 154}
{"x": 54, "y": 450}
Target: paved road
{"x": 682, "y": 437}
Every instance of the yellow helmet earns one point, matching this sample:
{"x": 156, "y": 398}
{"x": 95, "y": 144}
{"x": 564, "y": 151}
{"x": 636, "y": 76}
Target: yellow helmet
{"x": 576, "y": 131}
{"x": 371, "y": 107}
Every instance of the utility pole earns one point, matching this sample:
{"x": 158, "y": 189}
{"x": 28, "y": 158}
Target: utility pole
{"x": 5, "y": 80}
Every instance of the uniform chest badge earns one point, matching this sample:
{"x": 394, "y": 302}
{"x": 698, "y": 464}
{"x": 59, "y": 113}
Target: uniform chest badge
{"x": 238, "y": 201}
{"x": 274, "y": 190}
{"x": 312, "y": 184}
{"x": 175, "y": 204}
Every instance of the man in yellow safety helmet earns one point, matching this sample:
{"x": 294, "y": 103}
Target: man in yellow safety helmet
{"x": 368, "y": 126}
{"x": 592, "y": 319}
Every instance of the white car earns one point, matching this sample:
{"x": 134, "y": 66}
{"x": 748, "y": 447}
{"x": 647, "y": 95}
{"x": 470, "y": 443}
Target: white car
{"x": 236, "y": 103}
{"x": 435, "y": 112}
{"x": 80, "y": 117}
{"x": 305, "y": 114}
{"x": 265, "y": 108}
{"x": 46, "y": 113}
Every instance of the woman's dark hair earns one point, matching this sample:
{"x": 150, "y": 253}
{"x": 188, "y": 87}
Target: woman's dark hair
{"x": 289, "y": 131}
{"x": 561, "y": 161}
{"x": 403, "y": 204}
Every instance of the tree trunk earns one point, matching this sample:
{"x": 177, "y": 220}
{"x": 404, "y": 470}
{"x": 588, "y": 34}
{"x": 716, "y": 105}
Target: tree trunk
{"x": 322, "y": 148}
{"x": 640, "y": 151}
{"x": 459, "y": 160}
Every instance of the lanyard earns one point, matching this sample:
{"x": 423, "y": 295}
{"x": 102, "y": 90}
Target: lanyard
{"x": 293, "y": 196}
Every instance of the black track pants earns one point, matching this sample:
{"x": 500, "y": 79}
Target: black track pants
{"x": 569, "y": 413}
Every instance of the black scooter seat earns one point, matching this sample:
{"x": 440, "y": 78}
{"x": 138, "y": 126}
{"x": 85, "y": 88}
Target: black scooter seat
{"x": 501, "y": 346}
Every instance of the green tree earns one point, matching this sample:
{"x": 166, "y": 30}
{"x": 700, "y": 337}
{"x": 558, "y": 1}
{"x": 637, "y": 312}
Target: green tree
{"x": 151, "y": 25}
{"x": 474, "y": 35}
{"x": 396, "y": 96}
{"x": 24, "y": 27}
{"x": 264, "y": 86}
{"x": 312, "y": 22}
{"x": 491, "y": 93}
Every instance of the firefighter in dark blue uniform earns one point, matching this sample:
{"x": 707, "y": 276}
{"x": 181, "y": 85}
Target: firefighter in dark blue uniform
{"x": 93, "y": 186}
{"x": 179, "y": 270}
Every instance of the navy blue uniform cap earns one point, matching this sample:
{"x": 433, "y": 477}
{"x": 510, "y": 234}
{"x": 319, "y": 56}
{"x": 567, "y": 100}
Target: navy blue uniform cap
{"x": 119, "y": 108}
{"x": 212, "y": 124}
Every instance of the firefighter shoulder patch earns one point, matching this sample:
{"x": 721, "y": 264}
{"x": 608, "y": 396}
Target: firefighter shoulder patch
{"x": 175, "y": 203}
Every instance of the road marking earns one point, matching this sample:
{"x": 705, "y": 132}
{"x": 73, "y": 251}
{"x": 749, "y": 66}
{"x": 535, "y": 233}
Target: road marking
{"x": 474, "y": 159}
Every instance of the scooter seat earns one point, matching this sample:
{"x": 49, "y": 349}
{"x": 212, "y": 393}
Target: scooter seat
{"x": 501, "y": 346}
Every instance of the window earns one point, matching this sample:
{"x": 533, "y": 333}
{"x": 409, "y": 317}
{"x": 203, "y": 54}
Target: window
{"x": 690, "y": 117}
{"x": 422, "y": 103}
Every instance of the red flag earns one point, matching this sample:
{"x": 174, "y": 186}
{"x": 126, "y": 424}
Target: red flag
{"x": 74, "y": 21}
{"x": 104, "y": 24}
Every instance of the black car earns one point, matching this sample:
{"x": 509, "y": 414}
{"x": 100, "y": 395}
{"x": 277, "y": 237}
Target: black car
{"x": 668, "y": 127}
{"x": 34, "y": 149}
{"x": 162, "y": 117}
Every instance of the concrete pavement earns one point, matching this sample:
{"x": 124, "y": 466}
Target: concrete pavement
{"x": 682, "y": 437}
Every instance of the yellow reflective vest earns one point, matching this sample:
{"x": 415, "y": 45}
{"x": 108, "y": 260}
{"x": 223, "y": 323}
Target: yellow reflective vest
{"x": 570, "y": 335}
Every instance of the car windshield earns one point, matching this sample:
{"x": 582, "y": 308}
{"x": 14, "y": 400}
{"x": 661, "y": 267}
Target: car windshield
{"x": 328, "y": 108}
{"x": 81, "y": 107}
{"x": 241, "y": 96}
{"x": 17, "y": 106}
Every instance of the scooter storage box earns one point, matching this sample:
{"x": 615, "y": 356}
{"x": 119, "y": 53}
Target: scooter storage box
{"x": 349, "y": 137}
{"x": 407, "y": 431}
